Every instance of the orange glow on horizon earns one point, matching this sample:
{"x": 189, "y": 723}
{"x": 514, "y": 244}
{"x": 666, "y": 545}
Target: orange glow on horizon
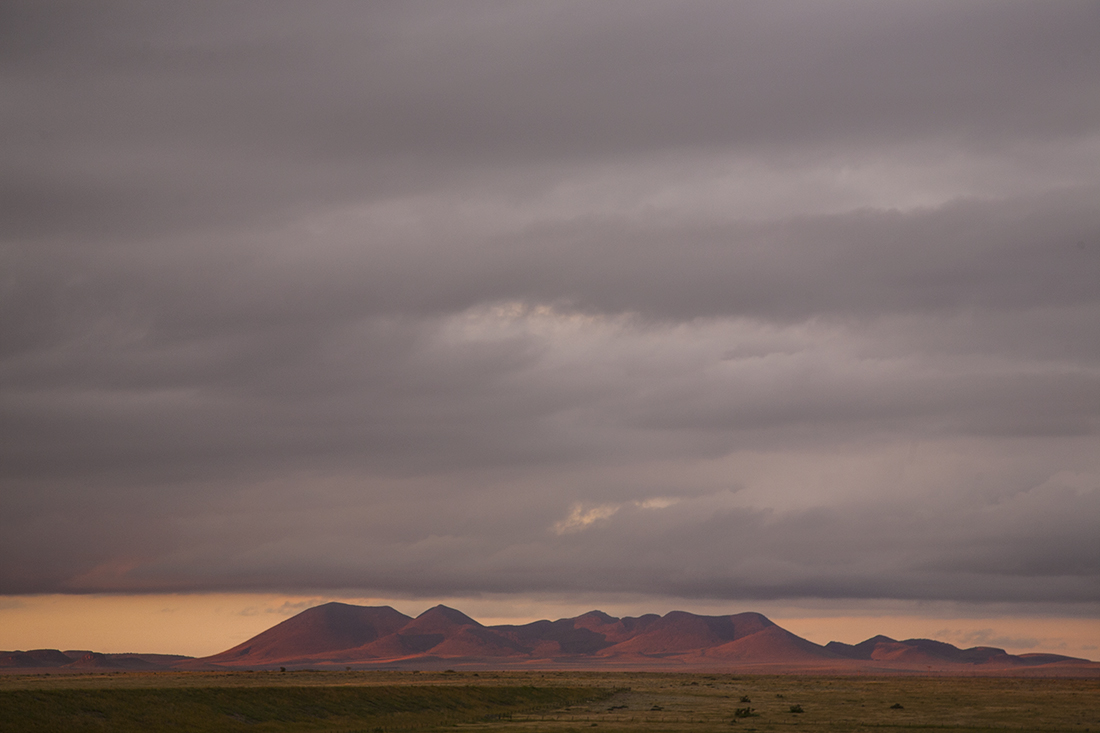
{"x": 203, "y": 624}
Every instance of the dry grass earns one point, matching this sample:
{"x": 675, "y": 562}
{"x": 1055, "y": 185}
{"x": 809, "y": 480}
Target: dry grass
{"x": 608, "y": 701}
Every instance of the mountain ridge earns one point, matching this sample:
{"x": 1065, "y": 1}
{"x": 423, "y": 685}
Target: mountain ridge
{"x": 343, "y": 636}
{"x": 445, "y": 637}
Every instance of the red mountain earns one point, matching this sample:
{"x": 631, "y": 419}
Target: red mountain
{"x": 337, "y": 634}
{"x": 678, "y": 632}
{"x": 331, "y": 627}
{"x": 439, "y": 632}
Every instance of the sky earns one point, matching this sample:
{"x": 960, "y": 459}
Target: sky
{"x": 537, "y": 307}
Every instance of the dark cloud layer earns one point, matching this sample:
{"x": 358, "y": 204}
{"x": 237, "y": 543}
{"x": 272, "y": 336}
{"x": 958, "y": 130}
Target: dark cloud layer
{"x": 699, "y": 300}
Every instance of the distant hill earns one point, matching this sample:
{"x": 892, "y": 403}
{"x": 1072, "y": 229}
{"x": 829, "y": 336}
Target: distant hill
{"x": 77, "y": 661}
{"x": 339, "y": 636}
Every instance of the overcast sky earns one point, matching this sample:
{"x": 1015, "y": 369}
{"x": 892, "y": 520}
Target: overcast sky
{"x": 692, "y": 300}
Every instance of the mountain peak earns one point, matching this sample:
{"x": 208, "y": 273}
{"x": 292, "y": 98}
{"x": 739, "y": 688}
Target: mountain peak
{"x": 327, "y": 627}
{"x": 339, "y": 634}
{"x": 440, "y": 617}
{"x": 597, "y": 615}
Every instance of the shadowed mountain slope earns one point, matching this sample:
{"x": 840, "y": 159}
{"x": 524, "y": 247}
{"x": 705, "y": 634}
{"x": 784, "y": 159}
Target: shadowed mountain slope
{"x": 441, "y": 632}
{"x": 772, "y": 645}
{"x": 83, "y": 660}
{"x": 338, "y": 634}
{"x": 327, "y": 628}
{"x": 930, "y": 652}
{"x": 678, "y": 632}
{"x": 35, "y": 658}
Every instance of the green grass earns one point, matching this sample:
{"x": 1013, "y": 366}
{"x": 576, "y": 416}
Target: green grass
{"x": 258, "y": 709}
{"x": 544, "y": 702}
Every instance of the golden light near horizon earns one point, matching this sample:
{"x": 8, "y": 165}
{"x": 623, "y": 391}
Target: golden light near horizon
{"x": 204, "y": 624}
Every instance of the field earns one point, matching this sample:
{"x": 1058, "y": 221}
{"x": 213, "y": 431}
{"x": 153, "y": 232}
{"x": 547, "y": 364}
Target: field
{"x": 536, "y": 702}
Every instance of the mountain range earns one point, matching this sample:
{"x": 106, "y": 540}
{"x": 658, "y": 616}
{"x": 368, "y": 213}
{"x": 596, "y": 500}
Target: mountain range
{"x": 342, "y": 636}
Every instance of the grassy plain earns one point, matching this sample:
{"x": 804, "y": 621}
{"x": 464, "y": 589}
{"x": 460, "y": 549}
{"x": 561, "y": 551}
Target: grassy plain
{"x": 542, "y": 702}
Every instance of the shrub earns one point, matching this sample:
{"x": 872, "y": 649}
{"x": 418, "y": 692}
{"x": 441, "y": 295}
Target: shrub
{"x": 797, "y": 709}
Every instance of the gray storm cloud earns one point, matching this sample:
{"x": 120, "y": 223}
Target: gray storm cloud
{"x": 699, "y": 300}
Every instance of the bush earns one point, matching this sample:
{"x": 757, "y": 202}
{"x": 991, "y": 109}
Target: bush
{"x": 797, "y": 709}
{"x": 744, "y": 713}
